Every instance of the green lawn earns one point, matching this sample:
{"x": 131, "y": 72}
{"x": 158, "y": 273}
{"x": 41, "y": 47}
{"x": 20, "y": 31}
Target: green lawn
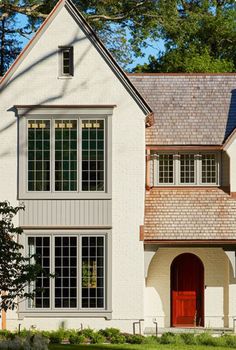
{"x": 135, "y": 347}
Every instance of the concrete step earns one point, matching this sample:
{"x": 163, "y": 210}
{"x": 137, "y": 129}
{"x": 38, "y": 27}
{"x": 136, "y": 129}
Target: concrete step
{"x": 194, "y": 330}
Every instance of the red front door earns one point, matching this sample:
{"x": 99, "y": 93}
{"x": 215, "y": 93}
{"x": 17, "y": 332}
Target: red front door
{"x": 187, "y": 291}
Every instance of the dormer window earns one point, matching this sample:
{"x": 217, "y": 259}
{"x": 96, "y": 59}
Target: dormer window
{"x": 185, "y": 169}
{"x": 66, "y": 61}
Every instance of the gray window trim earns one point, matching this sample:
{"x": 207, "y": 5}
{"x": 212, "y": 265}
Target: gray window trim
{"x": 25, "y": 311}
{"x": 61, "y": 74}
{"x": 43, "y": 113}
{"x": 176, "y": 167}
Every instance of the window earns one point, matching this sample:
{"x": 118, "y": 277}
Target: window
{"x": 66, "y": 63}
{"x": 66, "y": 155}
{"x": 186, "y": 169}
{"x": 78, "y": 263}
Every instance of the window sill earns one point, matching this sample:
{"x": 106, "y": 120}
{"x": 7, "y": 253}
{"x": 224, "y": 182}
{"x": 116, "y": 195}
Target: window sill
{"x": 63, "y": 196}
{"x": 65, "y": 313}
{"x": 66, "y": 77}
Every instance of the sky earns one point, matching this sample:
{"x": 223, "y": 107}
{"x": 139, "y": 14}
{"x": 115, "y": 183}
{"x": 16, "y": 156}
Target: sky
{"x": 152, "y": 49}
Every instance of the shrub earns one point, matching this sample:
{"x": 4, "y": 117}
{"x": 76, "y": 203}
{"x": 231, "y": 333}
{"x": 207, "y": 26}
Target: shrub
{"x": 56, "y": 337}
{"x": 206, "y": 339}
{"x": 109, "y": 332}
{"x": 97, "y": 338}
{"x": 135, "y": 339}
{"x": 87, "y": 333}
{"x": 77, "y": 338}
{"x": 32, "y": 342}
{"x": 117, "y": 339}
{"x": 188, "y": 338}
{"x": 168, "y": 338}
{"x": 151, "y": 340}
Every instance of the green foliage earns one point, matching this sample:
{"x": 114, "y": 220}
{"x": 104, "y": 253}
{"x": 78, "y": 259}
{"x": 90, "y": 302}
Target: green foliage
{"x": 97, "y": 338}
{"x": 207, "y": 339}
{"x": 113, "y": 335}
{"x": 168, "y": 338}
{"x": 77, "y": 339}
{"x": 151, "y": 340}
{"x": 16, "y": 270}
{"x": 188, "y": 338}
{"x": 135, "y": 339}
{"x": 199, "y": 36}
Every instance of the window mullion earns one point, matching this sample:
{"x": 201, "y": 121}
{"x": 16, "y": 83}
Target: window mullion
{"x": 176, "y": 169}
{"x": 79, "y": 274}
{"x": 199, "y": 169}
{"x": 52, "y": 280}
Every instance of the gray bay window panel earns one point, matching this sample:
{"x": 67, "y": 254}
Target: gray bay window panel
{"x": 91, "y": 213}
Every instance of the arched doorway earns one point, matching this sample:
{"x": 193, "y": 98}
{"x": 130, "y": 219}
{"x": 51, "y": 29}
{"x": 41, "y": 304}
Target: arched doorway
{"x": 187, "y": 291}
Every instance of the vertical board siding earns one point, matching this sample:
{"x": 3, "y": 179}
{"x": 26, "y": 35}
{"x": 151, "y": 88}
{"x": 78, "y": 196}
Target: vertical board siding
{"x": 66, "y": 213}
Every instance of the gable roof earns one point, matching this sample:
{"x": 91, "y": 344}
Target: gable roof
{"x": 189, "y": 109}
{"x": 91, "y": 35}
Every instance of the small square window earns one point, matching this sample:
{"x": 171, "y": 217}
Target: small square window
{"x": 66, "y": 61}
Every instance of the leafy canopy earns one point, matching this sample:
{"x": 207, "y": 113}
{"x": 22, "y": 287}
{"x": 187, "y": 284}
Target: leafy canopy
{"x": 199, "y": 35}
{"x": 16, "y": 270}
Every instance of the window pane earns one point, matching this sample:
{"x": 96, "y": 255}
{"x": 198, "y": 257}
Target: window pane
{"x": 209, "y": 168}
{"x": 93, "y": 155}
{"x": 66, "y": 155}
{"x": 66, "y": 272}
{"x": 38, "y": 155}
{"x": 41, "y": 247}
{"x": 166, "y": 168}
{"x": 93, "y": 272}
{"x": 187, "y": 169}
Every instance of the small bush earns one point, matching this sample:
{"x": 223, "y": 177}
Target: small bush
{"x": 151, "y": 340}
{"x": 97, "y": 338}
{"x": 77, "y": 339}
{"x": 168, "y": 338}
{"x": 188, "y": 338}
{"x": 56, "y": 337}
{"x": 206, "y": 339}
{"x": 117, "y": 339}
{"x": 87, "y": 333}
{"x": 135, "y": 339}
{"x": 109, "y": 332}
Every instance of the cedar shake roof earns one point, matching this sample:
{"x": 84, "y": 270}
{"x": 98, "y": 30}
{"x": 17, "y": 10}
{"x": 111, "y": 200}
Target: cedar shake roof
{"x": 189, "y": 109}
{"x": 189, "y": 214}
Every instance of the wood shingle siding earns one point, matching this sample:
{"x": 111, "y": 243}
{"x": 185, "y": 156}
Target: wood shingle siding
{"x": 189, "y": 214}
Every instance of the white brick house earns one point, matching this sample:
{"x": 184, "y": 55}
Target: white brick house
{"x": 74, "y": 132}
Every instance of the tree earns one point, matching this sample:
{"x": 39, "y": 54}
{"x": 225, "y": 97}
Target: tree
{"x": 199, "y": 36}
{"x": 10, "y": 47}
{"x": 17, "y": 272}
{"x": 124, "y": 26}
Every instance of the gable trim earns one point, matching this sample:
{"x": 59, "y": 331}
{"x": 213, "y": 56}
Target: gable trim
{"x": 30, "y": 44}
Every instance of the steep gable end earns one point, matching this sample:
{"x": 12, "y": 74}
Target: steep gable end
{"x": 82, "y": 32}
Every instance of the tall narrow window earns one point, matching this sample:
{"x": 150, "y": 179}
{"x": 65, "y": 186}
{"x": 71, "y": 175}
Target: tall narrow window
{"x": 93, "y": 155}
{"x": 166, "y": 169}
{"x": 66, "y": 272}
{"x": 187, "y": 168}
{"x": 41, "y": 247}
{"x": 93, "y": 272}
{"x": 209, "y": 168}
{"x": 39, "y": 155}
{"x": 66, "y": 155}
{"x": 66, "y": 61}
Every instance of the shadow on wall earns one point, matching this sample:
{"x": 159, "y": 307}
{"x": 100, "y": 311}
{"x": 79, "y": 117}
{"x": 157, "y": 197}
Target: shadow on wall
{"x": 231, "y": 121}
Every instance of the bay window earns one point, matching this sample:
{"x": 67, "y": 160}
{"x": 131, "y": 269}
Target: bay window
{"x": 65, "y": 154}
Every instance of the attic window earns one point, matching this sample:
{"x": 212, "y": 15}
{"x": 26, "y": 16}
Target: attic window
{"x": 66, "y": 61}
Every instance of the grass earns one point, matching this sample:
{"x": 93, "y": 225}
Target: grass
{"x": 135, "y": 347}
